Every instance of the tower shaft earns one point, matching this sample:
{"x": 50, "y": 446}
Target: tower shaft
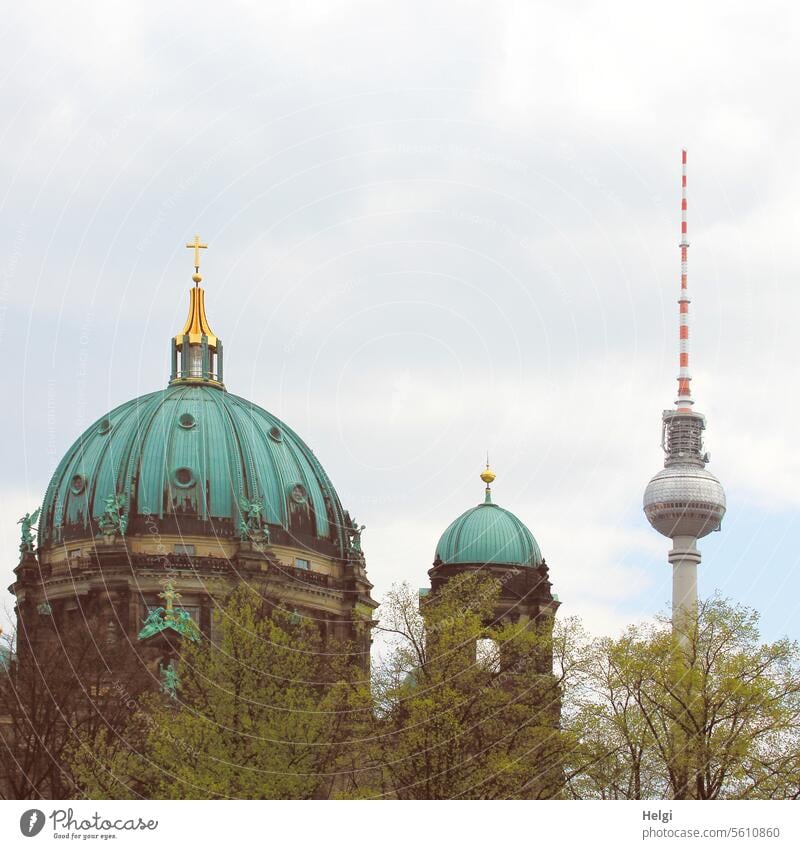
{"x": 684, "y": 501}
{"x": 684, "y": 558}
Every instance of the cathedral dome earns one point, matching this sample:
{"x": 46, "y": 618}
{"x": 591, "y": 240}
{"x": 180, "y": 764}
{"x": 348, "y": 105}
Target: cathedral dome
{"x": 180, "y": 496}
{"x": 184, "y": 458}
{"x": 488, "y": 534}
{"x": 194, "y": 461}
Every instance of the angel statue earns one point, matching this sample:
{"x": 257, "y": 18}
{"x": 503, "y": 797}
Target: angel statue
{"x": 251, "y": 526}
{"x": 113, "y": 521}
{"x": 355, "y": 536}
{"x": 169, "y": 680}
{"x": 26, "y": 536}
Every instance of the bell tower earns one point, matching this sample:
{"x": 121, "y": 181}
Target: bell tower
{"x": 493, "y": 542}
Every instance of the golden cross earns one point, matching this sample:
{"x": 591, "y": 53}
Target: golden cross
{"x": 170, "y": 596}
{"x": 197, "y": 245}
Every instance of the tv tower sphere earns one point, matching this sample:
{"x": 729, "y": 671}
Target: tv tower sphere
{"x": 684, "y": 499}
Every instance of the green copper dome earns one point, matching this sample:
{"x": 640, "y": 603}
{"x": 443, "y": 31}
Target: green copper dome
{"x": 182, "y": 460}
{"x": 488, "y": 534}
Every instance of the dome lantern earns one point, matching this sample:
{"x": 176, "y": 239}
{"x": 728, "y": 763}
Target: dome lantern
{"x": 196, "y": 350}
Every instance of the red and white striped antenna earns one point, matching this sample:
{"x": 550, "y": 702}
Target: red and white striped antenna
{"x": 684, "y": 401}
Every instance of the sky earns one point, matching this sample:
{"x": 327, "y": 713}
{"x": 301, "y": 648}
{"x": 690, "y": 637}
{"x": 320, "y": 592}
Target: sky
{"x": 435, "y": 229}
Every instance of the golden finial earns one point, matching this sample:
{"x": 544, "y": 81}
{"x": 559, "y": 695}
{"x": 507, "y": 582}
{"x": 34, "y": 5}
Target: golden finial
{"x": 198, "y": 246}
{"x": 488, "y": 475}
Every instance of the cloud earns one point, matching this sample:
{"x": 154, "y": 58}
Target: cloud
{"x": 433, "y": 230}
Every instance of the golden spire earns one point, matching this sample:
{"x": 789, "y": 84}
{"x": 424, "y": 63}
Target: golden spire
{"x": 487, "y": 476}
{"x": 196, "y": 325}
{"x": 198, "y": 246}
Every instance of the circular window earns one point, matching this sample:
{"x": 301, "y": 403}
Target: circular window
{"x": 275, "y": 434}
{"x": 104, "y": 426}
{"x": 298, "y": 493}
{"x": 77, "y": 484}
{"x": 187, "y": 421}
{"x": 183, "y": 476}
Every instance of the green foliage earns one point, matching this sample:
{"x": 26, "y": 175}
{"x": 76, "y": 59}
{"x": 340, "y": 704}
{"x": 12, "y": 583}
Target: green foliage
{"x": 715, "y": 717}
{"x": 255, "y": 717}
{"x": 459, "y": 724}
{"x": 461, "y": 706}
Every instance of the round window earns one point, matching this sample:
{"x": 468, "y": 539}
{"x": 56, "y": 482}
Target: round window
{"x": 298, "y": 493}
{"x": 275, "y": 434}
{"x": 104, "y": 426}
{"x": 183, "y": 476}
{"x": 77, "y": 484}
{"x": 187, "y": 421}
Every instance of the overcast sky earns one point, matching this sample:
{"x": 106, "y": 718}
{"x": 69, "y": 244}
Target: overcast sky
{"x": 434, "y": 228}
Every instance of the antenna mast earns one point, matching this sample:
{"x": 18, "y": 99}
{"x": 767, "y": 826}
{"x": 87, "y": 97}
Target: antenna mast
{"x": 684, "y": 401}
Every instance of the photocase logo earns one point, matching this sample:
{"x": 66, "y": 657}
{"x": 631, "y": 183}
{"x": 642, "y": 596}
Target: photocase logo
{"x": 31, "y": 822}
{"x": 65, "y": 824}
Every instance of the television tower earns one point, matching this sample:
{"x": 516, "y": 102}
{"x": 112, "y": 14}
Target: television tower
{"x": 684, "y": 501}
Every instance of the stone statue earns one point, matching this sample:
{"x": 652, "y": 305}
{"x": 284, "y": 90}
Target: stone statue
{"x": 26, "y": 535}
{"x": 113, "y": 521}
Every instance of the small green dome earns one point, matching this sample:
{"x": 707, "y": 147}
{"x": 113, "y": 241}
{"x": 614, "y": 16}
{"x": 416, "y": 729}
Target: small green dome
{"x": 488, "y": 534}
{"x": 183, "y": 458}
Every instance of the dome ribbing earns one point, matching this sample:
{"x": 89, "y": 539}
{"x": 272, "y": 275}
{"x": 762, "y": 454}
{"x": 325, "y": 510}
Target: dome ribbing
{"x": 186, "y": 455}
{"x": 488, "y": 534}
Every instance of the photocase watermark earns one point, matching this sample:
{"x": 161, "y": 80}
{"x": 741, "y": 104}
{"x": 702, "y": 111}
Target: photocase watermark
{"x": 153, "y": 529}
{"x": 32, "y": 822}
{"x": 66, "y": 825}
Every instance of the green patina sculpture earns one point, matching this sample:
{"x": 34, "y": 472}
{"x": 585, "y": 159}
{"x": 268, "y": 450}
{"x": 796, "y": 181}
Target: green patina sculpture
{"x": 355, "y": 537}
{"x": 169, "y": 680}
{"x": 113, "y": 521}
{"x": 252, "y": 526}
{"x": 169, "y": 616}
{"x": 26, "y": 535}
{"x": 153, "y": 623}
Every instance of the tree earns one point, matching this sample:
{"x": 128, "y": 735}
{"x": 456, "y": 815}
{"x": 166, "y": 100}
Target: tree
{"x": 257, "y": 714}
{"x": 456, "y": 724}
{"x": 460, "y": 706}
{"x": 64, "y": 685}
{"x": 716, "y": 719}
